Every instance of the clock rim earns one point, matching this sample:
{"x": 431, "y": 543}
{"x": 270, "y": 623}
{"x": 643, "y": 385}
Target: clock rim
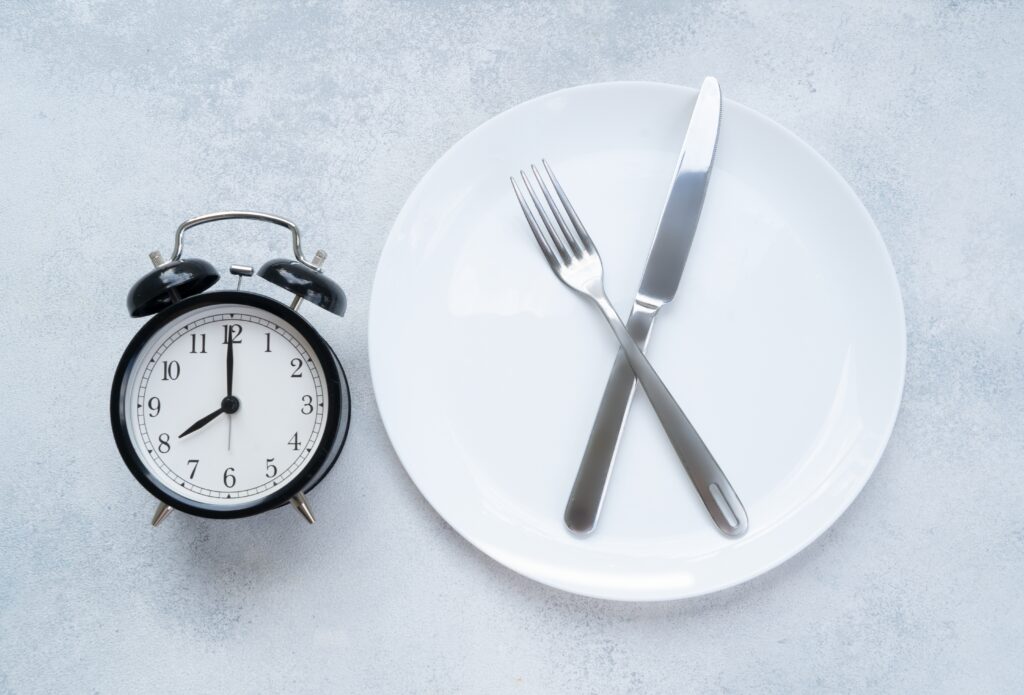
{"x": 336, "y": 420}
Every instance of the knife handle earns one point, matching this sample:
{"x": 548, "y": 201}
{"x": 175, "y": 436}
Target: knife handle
{"x": 595, "y": 469}
{"x": 715, "y": 490}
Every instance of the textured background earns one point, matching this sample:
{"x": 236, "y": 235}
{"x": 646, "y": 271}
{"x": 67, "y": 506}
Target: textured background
{"x": 120, "y": 119}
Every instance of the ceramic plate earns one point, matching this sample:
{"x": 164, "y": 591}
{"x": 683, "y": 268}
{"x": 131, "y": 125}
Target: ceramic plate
{"x": 785, "y": 344}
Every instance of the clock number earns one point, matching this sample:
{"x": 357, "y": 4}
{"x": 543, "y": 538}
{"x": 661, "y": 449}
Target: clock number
{"x": 164, "y": 444}
{"x": 154, "y": 406}
{"x": 297, "y": 363}
{"x": 232, "y": 333}
{"x": 201, "y": 343}
{"x": 294, "y": 441}
{"x": 195, "y": 465}
{"x": 268, "y": 343}
{"x": 172, "y": 370}
{"x": 307, "y": 405}
{"x": 229, "y": 479}
{"x": 271, "y": 468}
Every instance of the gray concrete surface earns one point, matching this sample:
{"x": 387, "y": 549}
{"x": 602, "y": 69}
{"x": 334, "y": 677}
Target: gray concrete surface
{"x": 119, "y": 119}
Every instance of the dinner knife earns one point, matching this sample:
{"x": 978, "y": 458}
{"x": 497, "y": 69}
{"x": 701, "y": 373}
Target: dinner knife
{"x": 660, "y": 281}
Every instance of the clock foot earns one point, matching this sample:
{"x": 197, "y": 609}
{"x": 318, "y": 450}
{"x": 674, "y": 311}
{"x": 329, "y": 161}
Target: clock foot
{"x": 162, "y": 510}
{"x": 300, "y": 503}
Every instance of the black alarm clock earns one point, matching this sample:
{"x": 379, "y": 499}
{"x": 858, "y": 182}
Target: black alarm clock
{"x": 229, "y": 403}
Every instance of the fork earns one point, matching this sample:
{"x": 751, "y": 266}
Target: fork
{"x": 574, "y": 259}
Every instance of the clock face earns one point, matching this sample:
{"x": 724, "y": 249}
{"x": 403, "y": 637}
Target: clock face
{"x": 226, "y": 404}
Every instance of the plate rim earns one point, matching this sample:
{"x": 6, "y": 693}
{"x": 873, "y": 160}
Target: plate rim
{"x": 642, "y": 595}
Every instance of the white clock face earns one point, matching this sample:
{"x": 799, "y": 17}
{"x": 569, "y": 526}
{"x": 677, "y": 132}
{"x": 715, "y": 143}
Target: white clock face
{"x": 219, "y": 447}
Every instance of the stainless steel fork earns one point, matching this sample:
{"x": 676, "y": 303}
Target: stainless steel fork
{"x": 574, "y": 259}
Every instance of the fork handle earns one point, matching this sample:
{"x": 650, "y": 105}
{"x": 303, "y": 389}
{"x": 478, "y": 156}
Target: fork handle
{"x": 588, "y": 491}
{"x": 715, "y": 490}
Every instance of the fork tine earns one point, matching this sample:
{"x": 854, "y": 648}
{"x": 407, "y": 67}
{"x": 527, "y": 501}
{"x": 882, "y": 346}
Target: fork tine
{"x": 576, "y": 223}
{"x": 552, "y": 236}
{"x": 559, "y": 217}
{"x": 534, "y": 227}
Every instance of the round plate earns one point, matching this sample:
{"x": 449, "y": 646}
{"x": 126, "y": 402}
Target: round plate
{"x": 785, "y": 345}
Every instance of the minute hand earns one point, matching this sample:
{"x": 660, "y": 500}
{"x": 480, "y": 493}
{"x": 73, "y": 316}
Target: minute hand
{"x": 661, "y": 279}
{"x": 231, "y": 363}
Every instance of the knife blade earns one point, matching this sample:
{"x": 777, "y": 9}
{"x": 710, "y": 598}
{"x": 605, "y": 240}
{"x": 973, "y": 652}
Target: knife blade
{"x": 664, "y": 270}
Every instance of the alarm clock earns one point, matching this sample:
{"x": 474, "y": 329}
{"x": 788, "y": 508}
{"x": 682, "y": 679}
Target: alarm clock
{"x": 229, "y": 403}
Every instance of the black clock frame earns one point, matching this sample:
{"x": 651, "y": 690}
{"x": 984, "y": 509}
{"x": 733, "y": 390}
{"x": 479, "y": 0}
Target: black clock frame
{"x": 336, "y": 419}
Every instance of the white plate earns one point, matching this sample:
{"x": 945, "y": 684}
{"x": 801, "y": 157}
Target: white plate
{"x": 785, "y": 345}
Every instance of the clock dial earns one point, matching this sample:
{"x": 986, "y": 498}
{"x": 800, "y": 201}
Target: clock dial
{"x": 225, "y": 404}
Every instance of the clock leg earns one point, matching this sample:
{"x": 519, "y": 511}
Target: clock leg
{"x": 162, "y": 510}
{"x": 300, "y": 503}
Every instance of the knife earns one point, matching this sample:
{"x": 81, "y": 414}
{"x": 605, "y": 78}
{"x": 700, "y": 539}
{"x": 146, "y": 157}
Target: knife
{"x": 659, "y": 284}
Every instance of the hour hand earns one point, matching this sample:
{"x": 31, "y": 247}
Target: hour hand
{"x": 202, "y": 422}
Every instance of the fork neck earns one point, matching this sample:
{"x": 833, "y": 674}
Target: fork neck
{"x": 595, "y": 289}
{"x": 605, "y": 304}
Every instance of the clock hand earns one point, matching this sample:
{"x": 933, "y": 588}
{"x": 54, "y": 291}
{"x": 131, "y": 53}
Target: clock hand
{"x": 202, "y": 422}
{"x": 231, "y": 363}
{"x": 229, "y": 405}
